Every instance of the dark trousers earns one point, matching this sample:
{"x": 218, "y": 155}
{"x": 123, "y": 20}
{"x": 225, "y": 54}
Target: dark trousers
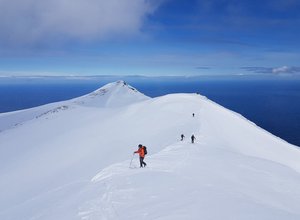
{"x": 142, "y": 162}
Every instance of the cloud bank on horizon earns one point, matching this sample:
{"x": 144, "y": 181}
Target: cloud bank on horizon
{"x": 149, "y": 37}
{"x": 274, "y": 70}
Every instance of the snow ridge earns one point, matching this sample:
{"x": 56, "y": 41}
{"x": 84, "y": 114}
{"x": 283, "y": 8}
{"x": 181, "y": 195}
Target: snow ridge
{"x": 186, "y": 179}
{"x": 116, "y": 94}
{"x": 71, "y": 160}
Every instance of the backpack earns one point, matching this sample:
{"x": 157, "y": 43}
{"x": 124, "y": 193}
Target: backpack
{"x": 145, "y": 150}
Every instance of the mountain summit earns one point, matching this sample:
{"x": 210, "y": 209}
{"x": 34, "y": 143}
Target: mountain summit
{"x": 74, "y": 160}
{"x": 114, "y": 94}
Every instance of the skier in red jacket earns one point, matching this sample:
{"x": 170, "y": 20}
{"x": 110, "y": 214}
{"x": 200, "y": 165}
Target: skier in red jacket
{"x": 141, "y": 152}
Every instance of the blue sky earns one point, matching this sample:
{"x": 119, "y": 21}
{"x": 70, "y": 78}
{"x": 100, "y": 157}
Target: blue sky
{"x": 149, "y": 37}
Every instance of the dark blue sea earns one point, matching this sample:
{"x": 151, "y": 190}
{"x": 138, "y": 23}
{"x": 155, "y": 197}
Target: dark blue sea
{"x": 271, "y": 103}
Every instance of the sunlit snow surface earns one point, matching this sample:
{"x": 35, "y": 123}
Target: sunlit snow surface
{"x": 71, "y": 160}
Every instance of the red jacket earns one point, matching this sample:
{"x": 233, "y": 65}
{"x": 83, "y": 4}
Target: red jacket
{"x": 140, "y": 151}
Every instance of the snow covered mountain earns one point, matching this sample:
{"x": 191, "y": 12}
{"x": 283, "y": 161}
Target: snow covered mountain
{"x": 111, "y": 95}
{"x": 71, "y": 160}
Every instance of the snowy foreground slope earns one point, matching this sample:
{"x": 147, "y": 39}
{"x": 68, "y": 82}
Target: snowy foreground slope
{"x": 71, "y": 160}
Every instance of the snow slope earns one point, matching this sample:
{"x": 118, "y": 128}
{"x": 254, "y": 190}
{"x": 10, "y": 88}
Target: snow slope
{"x": 70, "y": 160}
{"x": 110, "y": 95}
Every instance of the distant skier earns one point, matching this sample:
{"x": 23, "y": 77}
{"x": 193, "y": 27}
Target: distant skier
{"x": 193, "y": 114}
{"x": 182, "y": 136}
{"x": 193, "y": 139}
{"x": 142, "y": 151}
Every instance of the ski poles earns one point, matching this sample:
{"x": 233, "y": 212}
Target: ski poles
{"x": 131, "y": 160}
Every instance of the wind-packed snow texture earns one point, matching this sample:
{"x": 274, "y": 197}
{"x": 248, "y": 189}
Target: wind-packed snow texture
{"x": 71, "y": 160}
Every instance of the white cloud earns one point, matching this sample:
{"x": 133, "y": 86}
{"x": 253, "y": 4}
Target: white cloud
{"x": 285, "y": 69}
{"x": 274, "y": 70}
{"x": 282, "y": 69}
{"x": 28, "y": 21}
